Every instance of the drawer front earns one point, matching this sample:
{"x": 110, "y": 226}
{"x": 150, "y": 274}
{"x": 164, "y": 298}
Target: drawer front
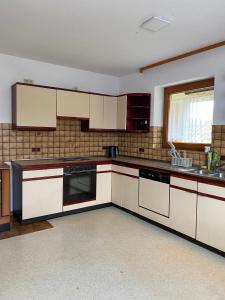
{"x": 126, "y": 170}
{"x": 184, "y": 183}
{"x": 42, "y": 173}
{"x": 104, "y": 168}
{"x": 212, "y": 190}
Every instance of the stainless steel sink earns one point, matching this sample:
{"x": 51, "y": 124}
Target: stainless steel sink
{"x": 183, "y": 169}
{"x": 203, "y": 172}
{"x": 220, "y": 175}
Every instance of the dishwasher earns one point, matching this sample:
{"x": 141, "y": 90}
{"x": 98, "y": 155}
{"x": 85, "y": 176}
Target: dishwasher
{"x": 154, "y": 191}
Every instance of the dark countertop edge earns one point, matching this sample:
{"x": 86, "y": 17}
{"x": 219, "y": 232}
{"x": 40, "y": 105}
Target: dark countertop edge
{"x": 120, "y": 162}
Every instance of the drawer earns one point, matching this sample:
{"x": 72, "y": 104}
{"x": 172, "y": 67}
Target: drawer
{"x": 103, "y": 168}
{"x": 211, "y": 190}
{"x": 42, "y": 173}
{"x": 184, "y": 183}
{"x": 126, "y": 170}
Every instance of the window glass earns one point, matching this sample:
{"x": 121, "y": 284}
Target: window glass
{"x": 191, "y": 117}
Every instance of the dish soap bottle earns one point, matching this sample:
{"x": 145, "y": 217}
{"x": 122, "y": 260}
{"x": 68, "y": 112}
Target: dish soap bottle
{"x": 209, "y": 160}
{"x": 215, "y": 159}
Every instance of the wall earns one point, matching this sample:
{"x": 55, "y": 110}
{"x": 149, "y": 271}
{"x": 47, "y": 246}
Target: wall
{"x": 208, "y": 64}
{"x": 14, "y": 69}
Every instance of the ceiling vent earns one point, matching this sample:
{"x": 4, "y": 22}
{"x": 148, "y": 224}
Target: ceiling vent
{"x": 155, "y": 24}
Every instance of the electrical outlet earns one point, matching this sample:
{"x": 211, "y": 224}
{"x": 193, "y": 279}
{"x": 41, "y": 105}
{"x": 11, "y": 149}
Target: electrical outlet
{"x": 36, "y": 149}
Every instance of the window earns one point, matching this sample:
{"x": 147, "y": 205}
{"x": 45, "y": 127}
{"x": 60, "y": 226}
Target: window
{"x": 188, "y": 114}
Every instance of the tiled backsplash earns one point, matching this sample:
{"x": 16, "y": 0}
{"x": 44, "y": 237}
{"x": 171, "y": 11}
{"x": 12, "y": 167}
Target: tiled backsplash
{"x": 152, "y": 144}
{"x": 68, "y": 140}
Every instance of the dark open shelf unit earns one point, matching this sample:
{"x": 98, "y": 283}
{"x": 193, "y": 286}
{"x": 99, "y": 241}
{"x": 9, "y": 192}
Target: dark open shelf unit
{"x": 138, "y": 112}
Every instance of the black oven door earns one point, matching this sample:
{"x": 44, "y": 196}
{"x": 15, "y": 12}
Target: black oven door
{"x": 79, "y": 185}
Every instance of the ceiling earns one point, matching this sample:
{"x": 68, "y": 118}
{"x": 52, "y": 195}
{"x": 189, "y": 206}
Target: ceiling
{"x": 104, "y": 35}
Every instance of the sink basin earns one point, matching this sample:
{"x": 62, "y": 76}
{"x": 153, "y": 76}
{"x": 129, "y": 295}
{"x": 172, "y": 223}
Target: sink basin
{"x": 203, "y": 172}
{"x": 182, "y": 169}
{"x": 220, "y": 175}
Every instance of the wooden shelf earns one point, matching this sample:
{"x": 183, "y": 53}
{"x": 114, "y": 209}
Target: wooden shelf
{"x": 137, "y": 118}
{"x": 138, "y": 106}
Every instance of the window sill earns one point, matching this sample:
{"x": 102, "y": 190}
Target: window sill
{"x": 187, "y": 146}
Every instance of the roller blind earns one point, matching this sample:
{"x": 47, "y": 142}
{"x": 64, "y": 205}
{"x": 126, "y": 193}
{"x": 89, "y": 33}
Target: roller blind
{"x": 191, "y": 117}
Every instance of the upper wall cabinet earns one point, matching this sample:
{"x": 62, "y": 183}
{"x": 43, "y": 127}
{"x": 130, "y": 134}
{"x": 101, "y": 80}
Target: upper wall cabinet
{"x": 73, "y": 104}
{"x": 96, "y": 111}
{"x": 110, "y": 113}
{"x": 130, "y": 113}
{"x": 121, "y": 112}
{"x": 33, "y": 107}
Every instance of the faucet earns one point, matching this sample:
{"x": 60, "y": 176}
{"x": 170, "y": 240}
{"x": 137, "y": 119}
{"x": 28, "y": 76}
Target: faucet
{"x": 218, "y": 166}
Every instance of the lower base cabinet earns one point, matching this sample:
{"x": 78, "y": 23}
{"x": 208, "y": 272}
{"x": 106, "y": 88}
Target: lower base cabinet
{"x": 42, "y": 193}
{"x": 125, "y": 191}
{"x": 211, "y": 222}
{"x": 183, "y": 211}
{"x": 103, "y": 189}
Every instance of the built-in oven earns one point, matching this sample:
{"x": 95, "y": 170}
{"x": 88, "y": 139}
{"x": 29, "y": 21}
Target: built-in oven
{"x": 79, "y": 184}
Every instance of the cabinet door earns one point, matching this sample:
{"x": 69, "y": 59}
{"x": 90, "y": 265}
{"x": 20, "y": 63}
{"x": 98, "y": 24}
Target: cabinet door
{"x": 42, "y": 197}
{"x": 125, "y": 191}
{"x": 211, "y": 222}
{"x": 104, "y": 183}
{"x": 130, "y": 193}
{"x": 72, "y": 104}
{"x": 183, "y": 211}
{"x": 117, "y": 189}
{"x": 122, "y": 112}
{"x": 35, "y": 107}
{"x": 110, "y": 113}
{"x": 96, "y": 111}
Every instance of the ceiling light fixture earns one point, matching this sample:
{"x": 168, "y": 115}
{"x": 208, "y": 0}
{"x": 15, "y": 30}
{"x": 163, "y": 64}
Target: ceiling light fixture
{"x": 155, "y": 24}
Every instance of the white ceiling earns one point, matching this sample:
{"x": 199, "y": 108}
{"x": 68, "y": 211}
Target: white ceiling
{"x": 101, "y": 35}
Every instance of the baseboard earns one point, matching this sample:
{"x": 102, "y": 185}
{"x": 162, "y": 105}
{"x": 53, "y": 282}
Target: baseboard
{"x": 61, "y": 214}
{"x": 186, "y": 237}
{"x": 4, "y": 227}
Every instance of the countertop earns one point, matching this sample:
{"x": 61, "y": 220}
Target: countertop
{"x": 37, "y": 164}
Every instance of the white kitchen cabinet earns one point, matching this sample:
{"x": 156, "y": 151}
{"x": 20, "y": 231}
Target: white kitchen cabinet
{"x": 42, "y": 196}
{"x": 34, "y": 107}
{"x": 117, "y": 189}
{"x": 96, "y": 112}
{"x": 125, "y": 191}
{"x": 104, "y": 184}
{"x": 110, "y": 113}
{"x": 73, "y": 104}
{"x": 211, "y": 216}
{"x": 183, "y": 202}
{"x": 121, "y": 112}
{"x": 183, "y": 211}
{"x": 130, "y": 193}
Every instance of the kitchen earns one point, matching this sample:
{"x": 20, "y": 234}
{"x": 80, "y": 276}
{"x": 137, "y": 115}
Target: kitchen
{"x": 84, "y": 151}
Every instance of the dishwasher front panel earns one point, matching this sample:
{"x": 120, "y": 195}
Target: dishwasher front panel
{"x": 154, "y": 196}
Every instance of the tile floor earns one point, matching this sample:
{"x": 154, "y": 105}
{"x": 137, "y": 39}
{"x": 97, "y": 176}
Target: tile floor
{"x": 107, "y": 254}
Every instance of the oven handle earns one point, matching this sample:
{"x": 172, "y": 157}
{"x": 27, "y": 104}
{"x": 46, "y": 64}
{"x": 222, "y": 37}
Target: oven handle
{"x": 79, "y": 172}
